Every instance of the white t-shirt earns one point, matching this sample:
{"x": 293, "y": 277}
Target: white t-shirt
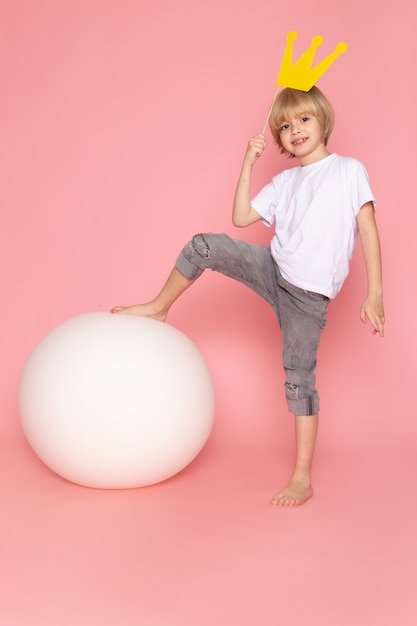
{"x": 314, "y": 209}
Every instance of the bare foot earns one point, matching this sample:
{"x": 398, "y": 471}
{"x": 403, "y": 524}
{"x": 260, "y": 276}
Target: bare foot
{"x": 141, "y": 310}
{"x": 294, "y": 494}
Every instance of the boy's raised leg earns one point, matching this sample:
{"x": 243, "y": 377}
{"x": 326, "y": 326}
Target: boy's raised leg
{"x": 158, "y": 307}
{"x": 299, "y": 488}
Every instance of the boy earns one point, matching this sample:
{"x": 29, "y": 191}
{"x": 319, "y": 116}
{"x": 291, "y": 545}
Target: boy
{"x": 318, "y": 208}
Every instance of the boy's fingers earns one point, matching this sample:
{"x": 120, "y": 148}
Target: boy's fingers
{"x": 379, "y": 326}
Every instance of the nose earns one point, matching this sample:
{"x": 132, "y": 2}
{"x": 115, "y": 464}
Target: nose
{"x": 294, "y": 128}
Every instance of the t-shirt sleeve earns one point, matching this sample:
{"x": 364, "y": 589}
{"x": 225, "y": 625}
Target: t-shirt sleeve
{"x": 265, "y": 201}
{"x": 361, "y": 188}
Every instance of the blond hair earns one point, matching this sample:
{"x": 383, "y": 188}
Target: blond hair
{"x": 292, "y": 103}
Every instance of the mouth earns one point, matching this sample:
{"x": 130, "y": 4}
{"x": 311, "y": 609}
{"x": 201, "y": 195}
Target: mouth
{"x": 300, "y": 142}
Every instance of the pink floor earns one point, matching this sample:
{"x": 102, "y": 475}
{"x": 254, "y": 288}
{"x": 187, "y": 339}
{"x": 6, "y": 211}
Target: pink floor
{"x": 205, "y": 547}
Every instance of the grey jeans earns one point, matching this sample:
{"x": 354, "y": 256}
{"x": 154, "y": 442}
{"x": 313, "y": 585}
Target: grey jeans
{"x": 301, "y": 314}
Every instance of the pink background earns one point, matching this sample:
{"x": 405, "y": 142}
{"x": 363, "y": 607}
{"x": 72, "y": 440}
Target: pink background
{"x": 123, "y": 127}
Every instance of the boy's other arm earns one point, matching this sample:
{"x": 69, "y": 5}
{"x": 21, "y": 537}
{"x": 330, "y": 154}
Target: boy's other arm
{"x": 243, "y": 214}
{"x": 372, "y": 309}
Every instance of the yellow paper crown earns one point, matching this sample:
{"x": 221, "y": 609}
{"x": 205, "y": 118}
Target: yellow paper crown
{"x": 300, "y": 75}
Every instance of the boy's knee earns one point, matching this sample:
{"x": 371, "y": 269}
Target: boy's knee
{"x": 200, "y": 246}
{"x": 192, "y": 261}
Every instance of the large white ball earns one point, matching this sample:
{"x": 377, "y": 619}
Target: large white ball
{"x": 115, "y": 401}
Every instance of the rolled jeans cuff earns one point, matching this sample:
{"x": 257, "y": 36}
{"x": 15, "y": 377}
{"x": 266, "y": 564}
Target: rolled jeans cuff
{"x": 309, "y": 405}
{"x": 186, "y": 268}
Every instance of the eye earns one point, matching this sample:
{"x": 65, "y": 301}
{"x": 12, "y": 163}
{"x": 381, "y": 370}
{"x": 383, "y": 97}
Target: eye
{"x": 305, "y": 118}
{"x": 284, "y": 127}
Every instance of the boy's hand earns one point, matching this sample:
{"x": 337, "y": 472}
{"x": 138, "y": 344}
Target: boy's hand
{"x": 373, "y": 311}
{"x": 255, "y": 148}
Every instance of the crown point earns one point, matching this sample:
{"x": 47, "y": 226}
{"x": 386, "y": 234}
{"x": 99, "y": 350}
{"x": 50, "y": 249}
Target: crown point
{"x": 341, "y": 47}
{"x": 292, "y": 36}
{"x": 317, "y": 41}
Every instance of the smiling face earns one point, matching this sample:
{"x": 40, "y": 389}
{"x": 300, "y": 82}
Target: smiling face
{"x": 301, "y": 123}
{"x": 302, "y": 136}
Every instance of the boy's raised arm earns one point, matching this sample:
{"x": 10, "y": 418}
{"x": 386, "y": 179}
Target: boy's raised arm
{"x": 243, "y": 214}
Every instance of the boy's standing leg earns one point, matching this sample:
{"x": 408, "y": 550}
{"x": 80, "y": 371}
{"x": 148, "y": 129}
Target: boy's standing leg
{"x": 302, "y": 317}
{"x": 299, "y": 488}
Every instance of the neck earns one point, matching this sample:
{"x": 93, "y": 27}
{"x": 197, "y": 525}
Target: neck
{"x": 317, "y": 155}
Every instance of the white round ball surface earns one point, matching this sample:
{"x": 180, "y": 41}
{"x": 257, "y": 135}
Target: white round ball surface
{"x": 116, "y": 401}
